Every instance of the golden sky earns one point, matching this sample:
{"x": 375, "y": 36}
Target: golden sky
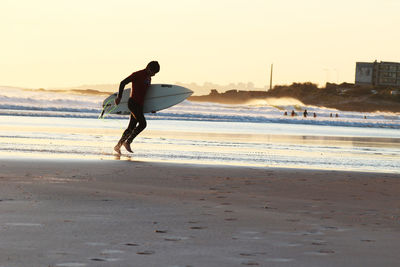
{"x": 59, "y": 43}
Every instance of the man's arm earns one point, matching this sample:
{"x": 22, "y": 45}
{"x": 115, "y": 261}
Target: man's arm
{"x": 121, "y": 89}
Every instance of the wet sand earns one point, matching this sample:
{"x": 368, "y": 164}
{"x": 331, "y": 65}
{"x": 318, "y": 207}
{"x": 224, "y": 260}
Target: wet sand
{"x": 126, "y": 213}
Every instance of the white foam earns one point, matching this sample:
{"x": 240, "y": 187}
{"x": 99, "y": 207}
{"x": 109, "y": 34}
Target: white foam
{"x": 15, "y": 101}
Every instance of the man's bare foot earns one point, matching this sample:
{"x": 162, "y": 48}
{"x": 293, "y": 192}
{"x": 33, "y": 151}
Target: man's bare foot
{"x": 117, "y": 149}
{"x": 128, "y": 147}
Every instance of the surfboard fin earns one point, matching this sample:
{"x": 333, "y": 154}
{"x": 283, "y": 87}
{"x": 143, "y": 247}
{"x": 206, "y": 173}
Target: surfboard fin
{"x": 102, "y": 113}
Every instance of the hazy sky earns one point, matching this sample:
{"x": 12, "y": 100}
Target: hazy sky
{"x": 58, "y": 43}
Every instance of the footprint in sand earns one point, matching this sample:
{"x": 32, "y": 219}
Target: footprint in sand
{"x": 172, "y": 239}
{"x": 248, "y": 254}
{"x": 322, "y": 252}
{"x": 326, "y": 251}
{"x": 131, "y": 244}
{"x": 367, "y": 240}
{"x": 207, "y": 214}
{"x": 278, "y": 260}
{"x": 319, "y": 243}
{"x": 293, "y": 220}
{"x": 71, "y": 264}
{"x": 175, "y": 238}
{"x": 310, "y": 232}
{"x": 250, "y": 263}
{"x": 6, "y": 199}
{"x": 98, "y": 259}
{"x": 198, "y": 227}
{"x": 145, "y": 252}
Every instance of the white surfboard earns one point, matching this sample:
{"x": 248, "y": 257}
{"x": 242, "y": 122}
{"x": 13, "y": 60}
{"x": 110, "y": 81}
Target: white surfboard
{"x": 158, "y": 97}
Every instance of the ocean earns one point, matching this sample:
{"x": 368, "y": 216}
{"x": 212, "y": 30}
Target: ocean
{"x": 66, "y": 125}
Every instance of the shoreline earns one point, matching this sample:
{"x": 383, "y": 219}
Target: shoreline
{"x": 130, "y": 158}
{"x": 163, "y": 214}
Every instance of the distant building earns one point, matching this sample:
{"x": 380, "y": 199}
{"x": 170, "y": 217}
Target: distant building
{"x": 378, "y": 73}
{"x": 364, "y": 73}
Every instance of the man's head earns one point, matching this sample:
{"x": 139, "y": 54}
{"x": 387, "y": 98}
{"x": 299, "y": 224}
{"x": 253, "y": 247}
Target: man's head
{"x": 153, "y": 67}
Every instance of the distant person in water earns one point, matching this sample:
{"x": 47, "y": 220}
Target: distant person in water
{"x": 141, "y": 81}
{"x": 305, "y": 113}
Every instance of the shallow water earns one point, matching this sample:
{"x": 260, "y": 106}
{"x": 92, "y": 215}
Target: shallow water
{"x": 205, "y": 142}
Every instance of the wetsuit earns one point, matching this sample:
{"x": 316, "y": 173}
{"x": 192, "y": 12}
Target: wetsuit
{"x": 141, "y": 81}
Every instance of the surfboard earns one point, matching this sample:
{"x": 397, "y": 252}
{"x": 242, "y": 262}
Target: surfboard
{"x": 158, "y": 97}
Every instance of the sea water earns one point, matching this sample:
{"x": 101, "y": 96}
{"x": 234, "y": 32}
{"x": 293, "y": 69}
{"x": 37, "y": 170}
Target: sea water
{"x": 60, "y": 125}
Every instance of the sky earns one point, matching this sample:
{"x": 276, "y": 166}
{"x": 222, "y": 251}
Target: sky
{"x": 62, "y": 43}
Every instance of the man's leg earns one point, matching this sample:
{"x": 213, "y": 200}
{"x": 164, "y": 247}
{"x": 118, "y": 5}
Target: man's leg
{"x": 127, "y": 133}
{"x": 138, "y": 129}
{"x": 141, "y": 124}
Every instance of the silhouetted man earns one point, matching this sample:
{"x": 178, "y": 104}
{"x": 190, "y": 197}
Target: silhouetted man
{"x": 141, "y": 81}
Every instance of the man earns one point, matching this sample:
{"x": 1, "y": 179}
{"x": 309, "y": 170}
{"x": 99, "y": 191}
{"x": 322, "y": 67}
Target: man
{"x": 140, "y": 83}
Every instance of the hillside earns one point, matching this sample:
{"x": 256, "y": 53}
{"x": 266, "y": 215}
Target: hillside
{"x": 346, "y": 97}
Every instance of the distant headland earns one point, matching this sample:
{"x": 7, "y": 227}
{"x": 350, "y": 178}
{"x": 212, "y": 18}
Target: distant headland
{"x": 345, "y": 96}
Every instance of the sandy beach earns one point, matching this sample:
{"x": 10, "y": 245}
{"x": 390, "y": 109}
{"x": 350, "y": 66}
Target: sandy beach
{"x": 131, "y": 213}
{"x": 270, "y": 133}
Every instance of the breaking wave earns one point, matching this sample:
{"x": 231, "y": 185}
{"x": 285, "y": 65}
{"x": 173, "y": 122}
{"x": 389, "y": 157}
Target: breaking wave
{"x": 50, "y": 103}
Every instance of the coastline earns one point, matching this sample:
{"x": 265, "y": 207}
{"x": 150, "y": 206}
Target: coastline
{"x": 342, "y": 97}
{"x": 83, "y": 213}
